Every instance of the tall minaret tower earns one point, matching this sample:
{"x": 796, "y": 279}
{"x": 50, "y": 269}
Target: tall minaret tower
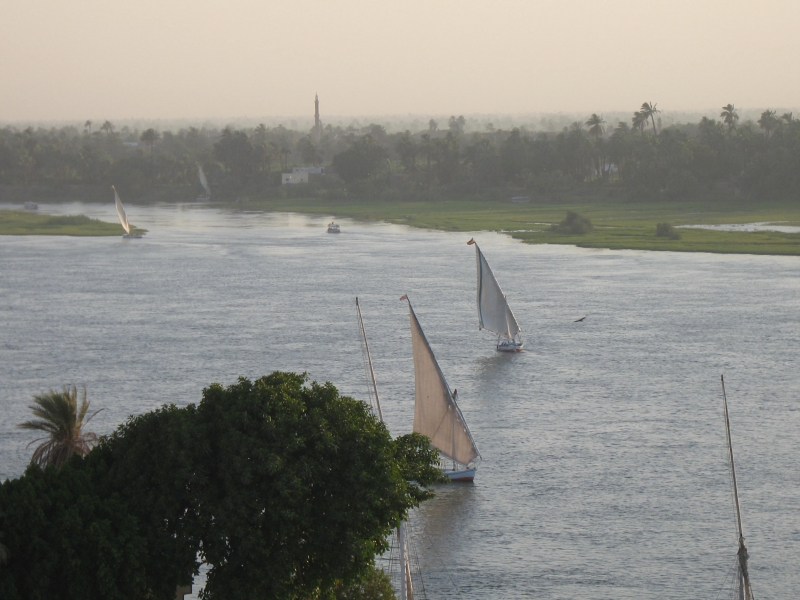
{"x": 317, "y": 124}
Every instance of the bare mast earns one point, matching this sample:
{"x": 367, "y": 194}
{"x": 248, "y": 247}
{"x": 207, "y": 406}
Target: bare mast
{"x": 745, "y": 592}
{"x": 369, "y": 360}
{"x": 406, "y": 584}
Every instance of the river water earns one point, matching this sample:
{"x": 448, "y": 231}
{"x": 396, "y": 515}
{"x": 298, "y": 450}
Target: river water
{"x": 604, "y": 470}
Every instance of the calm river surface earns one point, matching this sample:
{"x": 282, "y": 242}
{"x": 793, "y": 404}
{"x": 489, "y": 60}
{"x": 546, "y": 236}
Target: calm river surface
{"x": 604, "y": 471}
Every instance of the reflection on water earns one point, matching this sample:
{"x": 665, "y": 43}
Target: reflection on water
{"x": 604, "y": 472}
{"x": 747, "y": 227}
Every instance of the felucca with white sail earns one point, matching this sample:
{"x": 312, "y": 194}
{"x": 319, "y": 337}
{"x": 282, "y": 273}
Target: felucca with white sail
{"x": 406, "y": 581}
{"x": 742, "y": 584}
{"x": 436, "y": 411}
{"x": 123, "y": 218}
{"x": 204, "y": 183}
{"x": 494, "y": 313}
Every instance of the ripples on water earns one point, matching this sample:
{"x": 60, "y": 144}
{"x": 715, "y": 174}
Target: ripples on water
{"x": 604, "y": 472}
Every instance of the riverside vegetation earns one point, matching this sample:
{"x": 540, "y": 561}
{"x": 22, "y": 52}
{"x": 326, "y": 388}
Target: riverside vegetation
{"x": 625, "y": 177}
{"x": 328, "y": 486}
{"x": 18, "y": 222}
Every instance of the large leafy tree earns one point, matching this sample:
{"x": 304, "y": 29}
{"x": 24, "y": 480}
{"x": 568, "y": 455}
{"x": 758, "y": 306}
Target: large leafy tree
{"x": 284, "y": 488}
{"x": 66, "y": 541}
{"x": 62, "y": 418}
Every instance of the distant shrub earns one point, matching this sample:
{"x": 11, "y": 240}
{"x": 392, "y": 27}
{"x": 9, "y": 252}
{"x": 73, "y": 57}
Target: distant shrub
{"x": 668, "y": 231}
{"x": 574, "y": 223}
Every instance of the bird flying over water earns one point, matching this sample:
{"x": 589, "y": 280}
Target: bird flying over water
{"x": 579, "y": 320}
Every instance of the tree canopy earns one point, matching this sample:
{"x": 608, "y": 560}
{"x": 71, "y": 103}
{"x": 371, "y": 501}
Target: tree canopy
{"x": 283, "y": 487}
{"x": 720, "y": 156}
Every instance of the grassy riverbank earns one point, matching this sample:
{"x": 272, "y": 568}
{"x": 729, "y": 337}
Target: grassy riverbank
{"x": 20, "y": 222}
{"x": 618, "y": 224}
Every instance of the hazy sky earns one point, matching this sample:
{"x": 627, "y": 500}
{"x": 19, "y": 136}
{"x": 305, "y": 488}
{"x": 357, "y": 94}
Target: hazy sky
{"x": 107, "y": 59}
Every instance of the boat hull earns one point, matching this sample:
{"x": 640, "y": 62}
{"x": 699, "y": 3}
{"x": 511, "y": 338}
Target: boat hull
{"x": 510, "y": 346}
{"x": 460, "y": 476}
{"x": 131, "y": 236}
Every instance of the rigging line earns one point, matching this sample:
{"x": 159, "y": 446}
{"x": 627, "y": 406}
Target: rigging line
{"x": 729, "y": 584}
{"x": 420, "y": 580}
{"x": 441, "y": 560}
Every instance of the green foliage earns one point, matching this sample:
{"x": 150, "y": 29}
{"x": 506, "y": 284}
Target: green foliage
{"x": 677, "y": 162}
{"x": 284, "y": 488}
{"x": 376, "y": 585}
{"x": 18, "y": 222}
{"x": 62, "y": 418}
{"x": 362, "y": 159}
{"x": 574, "y": 224}
{"x": 65, "y": 541}
{"x": 668, "y": 231}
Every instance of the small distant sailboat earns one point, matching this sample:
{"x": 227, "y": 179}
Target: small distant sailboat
{"x": 406, "y": 586}
{"x": 123, "y": 218}
{"x": 204, "y": 183}
{"x": 494, "y": 313}
{"x": 743, "y": 590}
{"x": 436, "y": 411}
{"x": 334, "y": 228}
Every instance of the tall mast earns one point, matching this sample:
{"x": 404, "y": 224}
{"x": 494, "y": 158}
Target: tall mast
{"x": 406, "y": 586}
{"x": 369, "y": 360}
{"x": 745, "y": 593}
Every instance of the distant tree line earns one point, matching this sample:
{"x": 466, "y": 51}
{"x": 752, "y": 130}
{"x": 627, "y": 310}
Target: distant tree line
{"x": 637, "y": 156}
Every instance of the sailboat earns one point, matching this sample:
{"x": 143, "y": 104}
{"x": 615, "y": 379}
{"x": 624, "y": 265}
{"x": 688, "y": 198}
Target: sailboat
{"x": 436, "y": 411}
{"x": 494, "y": 313}
{"x": 204, "y": 183}
{"x": 406, "y": 580}
{"x": 743, "y": 590}
{"x": 123, "y": 218}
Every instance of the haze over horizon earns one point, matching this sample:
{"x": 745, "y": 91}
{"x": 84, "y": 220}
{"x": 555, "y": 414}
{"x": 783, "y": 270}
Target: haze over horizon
{"x": 208, "y": 59}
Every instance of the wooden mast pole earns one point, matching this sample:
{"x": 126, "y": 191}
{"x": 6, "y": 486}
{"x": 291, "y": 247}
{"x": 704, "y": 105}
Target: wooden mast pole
{"x": 745, "y": 592}
{"x": 369, "y": 360}
{"x": 405, "y": 567}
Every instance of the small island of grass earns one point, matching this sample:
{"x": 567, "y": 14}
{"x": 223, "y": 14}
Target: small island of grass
{"x": 19, "y": 222}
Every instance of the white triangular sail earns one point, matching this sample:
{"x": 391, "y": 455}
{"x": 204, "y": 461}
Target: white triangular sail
{"x": 436, "y": 412}
{"x": 204, "y": 181}
{"x": 494, "y": 313}
{"x": 123, "y": 218}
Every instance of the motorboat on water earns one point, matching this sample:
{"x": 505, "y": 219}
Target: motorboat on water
{"x": 334, "y": 228}
{"x": 31, "y": 205}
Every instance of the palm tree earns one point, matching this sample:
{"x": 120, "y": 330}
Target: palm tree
{"x": 768, "y": 121}
{"x": 88, "y": 125}
{"x": 595, "y": 124}
{"x": 787, "y": 118}
{"x": 62, "y": 418}
{"x": 729, "y": 116}
{"x": 108, "y": 127}
{"x": 649, "y": 111}
{"x": 638, "y": 121}
{"x": 150, "y": 137}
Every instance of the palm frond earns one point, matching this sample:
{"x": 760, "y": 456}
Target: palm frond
{"x": 60, "y": 416}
